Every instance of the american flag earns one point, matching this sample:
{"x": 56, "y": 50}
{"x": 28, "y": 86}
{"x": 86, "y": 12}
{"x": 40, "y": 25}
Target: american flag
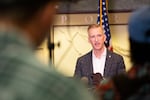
{"x": 102, "y": 19}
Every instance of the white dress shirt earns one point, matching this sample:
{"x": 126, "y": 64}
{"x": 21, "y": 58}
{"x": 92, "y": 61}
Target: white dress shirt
{"x": 99, "y": 63}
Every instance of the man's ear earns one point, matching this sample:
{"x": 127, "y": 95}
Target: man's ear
{"x": 89, "y": 39}
{"x": 104, "y": 37}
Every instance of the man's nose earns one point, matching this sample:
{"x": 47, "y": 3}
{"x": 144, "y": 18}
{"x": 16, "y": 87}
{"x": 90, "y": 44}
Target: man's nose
{"x": 96, "y": 38}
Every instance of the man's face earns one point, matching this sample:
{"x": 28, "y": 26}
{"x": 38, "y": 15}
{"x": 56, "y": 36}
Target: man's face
{"x": 96, "y": 38}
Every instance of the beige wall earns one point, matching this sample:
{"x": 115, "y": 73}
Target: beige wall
{"x": 42, "y": 53}
{"x": 73, "y": 39}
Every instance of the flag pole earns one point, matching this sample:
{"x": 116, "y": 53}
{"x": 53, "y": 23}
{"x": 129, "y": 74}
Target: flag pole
{"x": 100, "y": 13}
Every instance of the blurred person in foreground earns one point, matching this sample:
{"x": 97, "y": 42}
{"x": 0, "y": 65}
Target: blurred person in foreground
{"x": 23, "y": 26}
{"x": 99, "y": 63}
{"x": 135, "y": 85}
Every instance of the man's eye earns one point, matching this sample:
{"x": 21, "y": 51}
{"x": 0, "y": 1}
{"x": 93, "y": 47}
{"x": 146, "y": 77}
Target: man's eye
{"x": 92, "y": 36}
{"x": 99, "y": 35}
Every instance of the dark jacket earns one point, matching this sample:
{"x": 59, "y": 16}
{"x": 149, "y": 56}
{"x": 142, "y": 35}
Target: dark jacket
{"x": 114, "y": 65}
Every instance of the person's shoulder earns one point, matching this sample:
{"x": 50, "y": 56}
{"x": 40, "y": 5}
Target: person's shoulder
{"x": 114, "y": 54}
{"x": 86, "y": 55}
{"x": 47, "y": 78}
{"x": 46, "y": 83}
{"x": 66, "y": 88}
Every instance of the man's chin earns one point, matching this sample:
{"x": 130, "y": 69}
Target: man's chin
{"x": 97, "y": 48}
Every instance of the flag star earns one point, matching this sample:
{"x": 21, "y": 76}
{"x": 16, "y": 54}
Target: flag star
{"x": 104, "y": 8}
{"x": 103, "y": 3}
{"x": 105, "y": 19}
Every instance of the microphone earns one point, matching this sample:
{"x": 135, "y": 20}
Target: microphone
{"x": 96, "y": 79}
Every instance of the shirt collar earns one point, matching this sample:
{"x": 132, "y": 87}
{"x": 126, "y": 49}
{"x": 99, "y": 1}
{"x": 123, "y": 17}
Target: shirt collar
{"x": 103, "y": 53}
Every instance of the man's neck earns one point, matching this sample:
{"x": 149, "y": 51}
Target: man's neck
{"x": 98, "y": 53}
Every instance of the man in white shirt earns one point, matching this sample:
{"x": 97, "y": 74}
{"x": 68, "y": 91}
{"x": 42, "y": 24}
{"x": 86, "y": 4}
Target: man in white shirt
{"x": 100, "y": 59}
